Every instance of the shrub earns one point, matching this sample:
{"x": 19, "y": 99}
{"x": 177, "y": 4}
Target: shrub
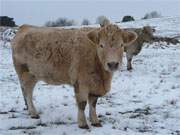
{"x": 7, "y": 21}
{"x": 127, "y": 18}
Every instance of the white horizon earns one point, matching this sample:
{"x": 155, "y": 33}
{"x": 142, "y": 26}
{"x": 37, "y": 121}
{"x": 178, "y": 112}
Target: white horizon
{"x": 40, "y": 11}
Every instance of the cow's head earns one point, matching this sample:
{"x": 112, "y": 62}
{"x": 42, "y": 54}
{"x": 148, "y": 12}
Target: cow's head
{"x": 110, "y": 42}
{"x": 147, "y": 33}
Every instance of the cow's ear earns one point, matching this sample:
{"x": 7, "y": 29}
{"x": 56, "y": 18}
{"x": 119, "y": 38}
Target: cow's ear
{"x": 93, "y": 36}
{"x": 129, "y": 37}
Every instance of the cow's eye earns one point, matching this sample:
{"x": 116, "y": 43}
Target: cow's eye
{"x": 101, "y": 45}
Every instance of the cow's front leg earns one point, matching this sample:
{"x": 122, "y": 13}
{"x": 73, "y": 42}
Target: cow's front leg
{"x": 129, "y": 57}
{"x": 81, "y": 99}
{"x": 92, "y": 111}
{"x": 129, "y": 64}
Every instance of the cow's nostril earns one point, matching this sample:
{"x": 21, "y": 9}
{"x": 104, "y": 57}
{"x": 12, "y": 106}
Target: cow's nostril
{"x": 116, "y": 65}
{"x": 109, "y": 65}
{"x": 113, "y": 65}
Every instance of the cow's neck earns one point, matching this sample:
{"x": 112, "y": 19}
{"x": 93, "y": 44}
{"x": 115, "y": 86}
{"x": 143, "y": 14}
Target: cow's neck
{"x": 105, "y": 75}
{"x": 140, "y": 40}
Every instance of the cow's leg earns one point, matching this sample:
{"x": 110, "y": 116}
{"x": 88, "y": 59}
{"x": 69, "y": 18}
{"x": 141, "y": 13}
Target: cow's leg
{"x": 129, "y": 65}
{"x": 92, "y": 111}
{"x": 129, "y": 61}
{"x": 81, "y": 99}
{"x": 27, "y": 82}
{"x": 20, "y": 68}
{"x": 25, "y": 101}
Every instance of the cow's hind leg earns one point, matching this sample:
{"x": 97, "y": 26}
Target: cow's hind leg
{"x": 20, "y": 69}
{"x": 27, "y": 82}
{"x": 92, "y": 111}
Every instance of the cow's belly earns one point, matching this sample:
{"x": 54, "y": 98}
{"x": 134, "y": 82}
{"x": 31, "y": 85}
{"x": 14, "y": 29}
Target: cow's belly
{"x": 49, "y": 74}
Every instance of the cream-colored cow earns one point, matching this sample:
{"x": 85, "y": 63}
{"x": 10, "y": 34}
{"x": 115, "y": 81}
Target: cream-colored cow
{"x": 85, "y": 61}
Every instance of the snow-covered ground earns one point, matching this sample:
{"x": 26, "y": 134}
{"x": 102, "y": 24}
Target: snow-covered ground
{"x": 145, "y": 101}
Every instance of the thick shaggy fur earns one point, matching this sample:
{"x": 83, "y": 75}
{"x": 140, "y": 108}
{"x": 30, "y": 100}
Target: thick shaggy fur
{"x": 59, "y": 56}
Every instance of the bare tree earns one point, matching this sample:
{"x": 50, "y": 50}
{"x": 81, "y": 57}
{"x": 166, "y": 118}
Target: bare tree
{"x": 85, "y": 22}
{"x": 102, "y": 20}
{"x": 153, "y": 14}
{"x": 49, "y": 24}
{"x": 60, "y": 22}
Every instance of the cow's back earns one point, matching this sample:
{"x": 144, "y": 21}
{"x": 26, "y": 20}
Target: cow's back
{"x": 137, "y": 44}
{"x": 49, "y": 53}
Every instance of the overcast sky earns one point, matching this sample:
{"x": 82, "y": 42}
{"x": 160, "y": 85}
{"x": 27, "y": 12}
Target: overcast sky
{"x": 37, "y": 12}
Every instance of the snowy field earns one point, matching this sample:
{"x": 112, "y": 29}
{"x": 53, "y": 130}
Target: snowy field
{"x": 145, "y": 101}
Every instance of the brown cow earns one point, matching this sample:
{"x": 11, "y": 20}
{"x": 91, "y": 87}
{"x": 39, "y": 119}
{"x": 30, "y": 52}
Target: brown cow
{"x": 145, "y": 34}
{"x": 58, "y": 56}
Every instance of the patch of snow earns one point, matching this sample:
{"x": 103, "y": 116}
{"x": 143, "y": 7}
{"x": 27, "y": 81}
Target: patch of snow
{"x": 145, "y": 101}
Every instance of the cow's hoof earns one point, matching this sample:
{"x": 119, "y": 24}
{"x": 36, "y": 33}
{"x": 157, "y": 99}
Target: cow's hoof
{"x": 84, "y": 127}
{"x": 97, "y": 124}
{"x": 25, "y": 108}
{"x": 129, "y": 68}
{"x": 35, "y": 116}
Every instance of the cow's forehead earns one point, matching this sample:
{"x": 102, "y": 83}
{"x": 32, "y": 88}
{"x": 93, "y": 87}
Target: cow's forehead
{"x": 116, "y": 35}
{"x": 110, "y": 29}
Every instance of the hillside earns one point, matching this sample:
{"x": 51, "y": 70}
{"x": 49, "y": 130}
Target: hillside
{"x": 145, "y": 101}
